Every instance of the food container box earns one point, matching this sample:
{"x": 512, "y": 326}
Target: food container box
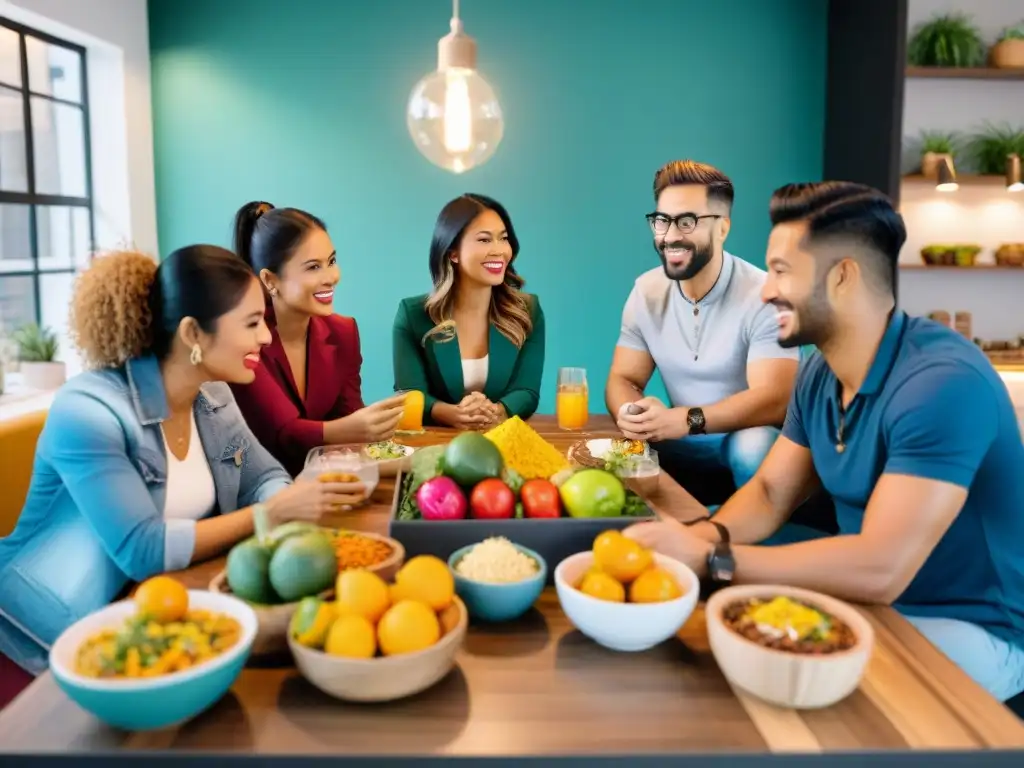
{"x": 553, "y": 539}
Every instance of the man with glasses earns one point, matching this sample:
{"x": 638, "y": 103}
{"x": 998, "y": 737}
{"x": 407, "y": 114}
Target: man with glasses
{"x": 700, "y": 321}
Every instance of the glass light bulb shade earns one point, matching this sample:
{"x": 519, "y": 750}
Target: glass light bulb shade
{"x": 455, "y": 119}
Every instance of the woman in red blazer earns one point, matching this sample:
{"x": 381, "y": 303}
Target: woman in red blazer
{"x": 307, "y": 387}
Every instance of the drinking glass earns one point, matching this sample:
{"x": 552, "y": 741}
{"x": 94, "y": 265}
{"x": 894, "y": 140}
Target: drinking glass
{"x": 344, "y": 464}
{"x": 571, "y": 404}
{"x": 412, "y": 416}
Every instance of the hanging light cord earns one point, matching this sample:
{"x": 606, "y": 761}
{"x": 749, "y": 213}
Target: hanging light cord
{"x": 455, "y": 9}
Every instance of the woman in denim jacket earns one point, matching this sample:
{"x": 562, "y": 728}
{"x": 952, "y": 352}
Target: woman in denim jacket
{"x": 145, "y": 464}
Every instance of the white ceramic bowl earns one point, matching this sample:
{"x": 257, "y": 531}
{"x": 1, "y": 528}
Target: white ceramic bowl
{"x": 789, "y": 679}
{"x": 625, "y": 626}
{"x": 389, "y": 677}
{"x": 391, "y": 467}
{"x": 155, "y": 702}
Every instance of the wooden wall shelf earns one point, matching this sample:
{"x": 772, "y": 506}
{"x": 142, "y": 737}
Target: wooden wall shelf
{"x": 951, "y": 267}
{"x": 974, "y": 180}
{"x": 966, "y": 73}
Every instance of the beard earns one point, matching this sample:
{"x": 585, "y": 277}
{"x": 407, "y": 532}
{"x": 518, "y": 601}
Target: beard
{"x": 700, "y": 257}
{"x": 814, "y": 321}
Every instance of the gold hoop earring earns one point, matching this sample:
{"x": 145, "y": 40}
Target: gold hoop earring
{"x": 197, "y": 355}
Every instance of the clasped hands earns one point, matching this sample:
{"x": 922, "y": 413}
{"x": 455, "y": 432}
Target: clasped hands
{"x": 475, "y": 411}
{"x": 650, "y": 419}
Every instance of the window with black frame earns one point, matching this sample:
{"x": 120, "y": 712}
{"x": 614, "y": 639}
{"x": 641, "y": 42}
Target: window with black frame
{"x": 46, "y": 211}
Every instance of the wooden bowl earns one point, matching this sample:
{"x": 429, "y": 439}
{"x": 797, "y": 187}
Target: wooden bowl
{"x": 390, "y": 677}
{"x": 272, "y": 636}
{"x": 784, "y": 678}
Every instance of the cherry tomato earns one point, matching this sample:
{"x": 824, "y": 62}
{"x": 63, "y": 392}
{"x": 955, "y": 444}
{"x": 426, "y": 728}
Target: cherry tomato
{"x": 540, "y": 498}
{"x": 491, "y": 499}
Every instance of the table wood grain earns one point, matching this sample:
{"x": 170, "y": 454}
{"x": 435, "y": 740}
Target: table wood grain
{"x": 538, "y": 687}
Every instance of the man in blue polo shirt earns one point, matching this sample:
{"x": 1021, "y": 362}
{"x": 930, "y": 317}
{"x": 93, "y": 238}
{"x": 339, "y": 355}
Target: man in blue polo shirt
{"x": 908, "y": 427}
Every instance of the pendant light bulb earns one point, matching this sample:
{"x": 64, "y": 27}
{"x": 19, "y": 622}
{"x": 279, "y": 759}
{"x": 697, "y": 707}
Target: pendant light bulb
{"x": 453, "y": 115}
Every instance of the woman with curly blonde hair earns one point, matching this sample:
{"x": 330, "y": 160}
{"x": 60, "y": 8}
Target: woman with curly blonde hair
{"x": 474, "y": 345}
{"x": 145, "y": 464}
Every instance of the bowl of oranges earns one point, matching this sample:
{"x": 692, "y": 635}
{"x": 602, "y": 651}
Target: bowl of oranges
{"x": 624, "y": 596}
{"x": 377, "y": 641}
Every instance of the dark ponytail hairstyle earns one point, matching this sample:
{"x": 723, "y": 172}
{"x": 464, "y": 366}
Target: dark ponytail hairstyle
{"x": 203, "y": 282}
{"x": 267, "y": 237}
{"x": 126, "y": 304}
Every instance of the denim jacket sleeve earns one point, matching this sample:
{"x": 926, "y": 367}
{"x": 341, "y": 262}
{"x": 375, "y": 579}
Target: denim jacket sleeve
{"x": 262, "y": 474}
{"x": 85, "y": 444}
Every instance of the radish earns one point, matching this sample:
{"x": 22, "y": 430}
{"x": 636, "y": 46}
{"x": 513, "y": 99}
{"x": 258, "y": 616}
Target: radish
{"x": 440, "y": 498}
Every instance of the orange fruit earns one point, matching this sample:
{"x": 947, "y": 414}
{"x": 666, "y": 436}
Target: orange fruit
{"x": 655, "y": 585}
{"x": 162, "y": 598}
{"x": 427, "y": 579}
{"x": 603, "y": 587}
{"x": 406, "y": 627}
{"x": 351, "y": 636}
{"x": 361, "y": 592}
{"x": 621, "y": 557}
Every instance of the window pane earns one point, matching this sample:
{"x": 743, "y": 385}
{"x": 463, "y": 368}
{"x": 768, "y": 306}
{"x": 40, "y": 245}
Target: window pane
{"x": 55, "y": 297}
{"x": 63, "y": 237}
{"x": 54, "y": 70}
{"x": 10, "y": 58}
{"x": 13, "y": 155}
{"x": 15, "y": 243}
{"x": 17, "y": 302}
{"x": 58, "y": 143}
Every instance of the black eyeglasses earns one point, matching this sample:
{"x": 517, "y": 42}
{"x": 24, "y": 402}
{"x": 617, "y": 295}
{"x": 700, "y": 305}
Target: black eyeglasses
{"x": 685, "y": 222}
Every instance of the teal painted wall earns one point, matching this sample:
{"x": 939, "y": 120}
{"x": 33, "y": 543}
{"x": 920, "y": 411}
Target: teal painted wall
{"x": 305, "y": 107}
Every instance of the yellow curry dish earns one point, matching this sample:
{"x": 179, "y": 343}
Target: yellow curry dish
{"x": 785, "y": 624}
{"x": 164, "y": 636}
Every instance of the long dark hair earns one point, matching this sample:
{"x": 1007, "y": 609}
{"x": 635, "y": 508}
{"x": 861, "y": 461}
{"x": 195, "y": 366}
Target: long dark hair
{"x": 510, "y": 311}
{"x": 203, "y": 282}
{"x": 267, "y": 237}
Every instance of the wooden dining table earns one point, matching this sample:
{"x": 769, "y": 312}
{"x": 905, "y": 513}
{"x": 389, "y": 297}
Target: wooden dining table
{"x": 538, "y": 687}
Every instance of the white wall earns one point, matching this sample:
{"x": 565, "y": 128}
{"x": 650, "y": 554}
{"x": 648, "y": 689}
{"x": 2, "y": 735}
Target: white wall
{"x": 988, "y": 216}
{"x": 115, "y": 34}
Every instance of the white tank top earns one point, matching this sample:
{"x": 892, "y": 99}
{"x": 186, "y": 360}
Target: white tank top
{"x": 474, "y": 374}
{"x": 191, "y": 494}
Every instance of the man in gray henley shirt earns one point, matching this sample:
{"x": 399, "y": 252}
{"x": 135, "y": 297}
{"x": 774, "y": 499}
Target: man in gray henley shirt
{"x": 700, "y": 320}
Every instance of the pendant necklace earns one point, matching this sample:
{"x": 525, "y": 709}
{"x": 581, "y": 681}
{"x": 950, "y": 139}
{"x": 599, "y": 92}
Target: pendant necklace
{"x": 695, "y": 348}
{"x": 840, "y": 444}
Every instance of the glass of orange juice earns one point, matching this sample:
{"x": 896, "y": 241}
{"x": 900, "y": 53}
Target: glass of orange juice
{"x": 571, "y": 404}
{"x": 412, "y": 416}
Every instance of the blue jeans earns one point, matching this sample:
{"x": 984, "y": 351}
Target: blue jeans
{"x": 994, "y": 664}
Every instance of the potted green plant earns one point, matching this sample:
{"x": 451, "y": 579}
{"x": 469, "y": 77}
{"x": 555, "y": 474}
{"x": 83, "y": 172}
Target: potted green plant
{"x": 937, "y": 146}
{"x": 37, "y": 351}
{"x": 992, "y": 145}
{"x": 1008, "y": 52}
{"x": 947, "y": 40}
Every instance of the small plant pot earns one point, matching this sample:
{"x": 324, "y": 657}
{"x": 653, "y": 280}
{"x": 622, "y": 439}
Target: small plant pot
{"x": 45, "y": 376}
{"x": 930, "y": 162}
{"x": 1007, "y": 54}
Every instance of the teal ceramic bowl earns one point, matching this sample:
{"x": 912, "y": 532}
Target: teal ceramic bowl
{"x": 158, "y": 702}
{"x": 496, "y": 602}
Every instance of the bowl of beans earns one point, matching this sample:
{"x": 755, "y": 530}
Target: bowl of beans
{"x": 788, "y": 646}
{"x": 141, "y": 666}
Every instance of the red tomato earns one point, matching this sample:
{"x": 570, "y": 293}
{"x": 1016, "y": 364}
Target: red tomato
{"x": 540, "y": 498}
{"x": 491, "y": 499}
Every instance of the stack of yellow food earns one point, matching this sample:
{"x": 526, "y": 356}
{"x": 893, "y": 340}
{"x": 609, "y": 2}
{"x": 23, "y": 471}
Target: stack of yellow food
{"x": 369, "y": 617}
{"x": 525, "y": 451}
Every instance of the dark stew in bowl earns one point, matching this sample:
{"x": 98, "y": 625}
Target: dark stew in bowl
{"x": 786, "y": 624}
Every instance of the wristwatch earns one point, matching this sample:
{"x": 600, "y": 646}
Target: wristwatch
{"x": 695, "y": 421}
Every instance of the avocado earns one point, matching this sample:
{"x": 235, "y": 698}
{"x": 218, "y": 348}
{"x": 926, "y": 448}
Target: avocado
{"x": 470, "y": 458}
{"x": 248, "y": 572}
{"x": 286, "y": 530}
{"x": 303, "y": 565}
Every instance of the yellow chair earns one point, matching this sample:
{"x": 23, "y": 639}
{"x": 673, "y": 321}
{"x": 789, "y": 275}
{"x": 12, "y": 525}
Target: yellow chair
{"x": 18, "y": 437}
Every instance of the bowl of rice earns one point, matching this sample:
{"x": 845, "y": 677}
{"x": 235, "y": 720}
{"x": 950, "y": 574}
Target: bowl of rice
{"x": 497, "y": 579}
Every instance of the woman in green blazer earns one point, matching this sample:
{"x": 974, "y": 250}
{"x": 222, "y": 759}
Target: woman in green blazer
{"x": 475, "y": 345}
